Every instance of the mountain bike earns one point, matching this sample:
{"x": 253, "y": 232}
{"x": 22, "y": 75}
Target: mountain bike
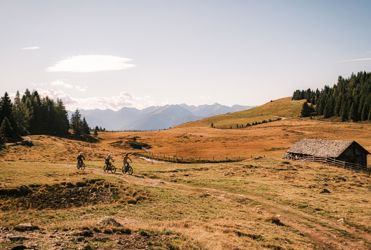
{"x": 80, "y": 165}
{"x": 109, "y": 168}
{"x": 127, "y": 169}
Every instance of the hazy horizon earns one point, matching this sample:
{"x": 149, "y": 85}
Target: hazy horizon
{"x": 114, "y": 54}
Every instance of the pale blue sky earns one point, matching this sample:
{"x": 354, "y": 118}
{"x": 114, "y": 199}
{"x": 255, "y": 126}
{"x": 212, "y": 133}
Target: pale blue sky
{"x": 195, "y": 52}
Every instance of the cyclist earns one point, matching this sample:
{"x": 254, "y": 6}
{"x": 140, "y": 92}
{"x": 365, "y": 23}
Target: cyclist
{"x": 80, "y": 159}
{"x": 108, "y": 160}
{"x": 126, "y": 161}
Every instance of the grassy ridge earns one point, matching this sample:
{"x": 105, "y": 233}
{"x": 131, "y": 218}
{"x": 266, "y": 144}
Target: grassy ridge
{"x": 284, "y": 107}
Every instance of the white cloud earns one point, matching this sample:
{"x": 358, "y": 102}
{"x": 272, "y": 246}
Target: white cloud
{"x": 91, "y": 63}
{"x": 31, "y": 48}
{"x": 364, "y": 59}
{"x": 117, "y": 102}
{"x": 63, "y": 84}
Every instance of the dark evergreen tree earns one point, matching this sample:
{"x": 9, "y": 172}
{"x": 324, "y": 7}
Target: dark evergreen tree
{"x": 61, "y": 118}
{"x": 7, "y": 132}
{"x": 85, "y": 127}
{"x": 20, "y": 115}
{"x": 364, "y": 112}
{"x": 6, "y": 108}
{"x": 76, "y": 123}
{"x": 2, "y": 142}
{"x": 306, "y": 110}
{"x": 36, "y": 123}
{"x": 329, "y": 109}
{"x": 344, "y": 111}
{"x": 352, "y": 113}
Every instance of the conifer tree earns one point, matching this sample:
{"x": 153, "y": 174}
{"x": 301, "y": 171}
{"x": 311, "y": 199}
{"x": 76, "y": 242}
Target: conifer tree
{"x": 7, "y": 132}
{"x": 85, "y": 127}
{"x": 364, "y": 113}
{"x": 6, "y": 108}
{"x": 76, "y": 123}
{"x": 21, "y": 115}
{"x": 62, "y": 118}
{"x": 353, "y": 113}
{"x": 2, "y": 142}
{"x": 328, "y": 110}
{"x": 306, "y": 110}
{"x": 343, "y": 111}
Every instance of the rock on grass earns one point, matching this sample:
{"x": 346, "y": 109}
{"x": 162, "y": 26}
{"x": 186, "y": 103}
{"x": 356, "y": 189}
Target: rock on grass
{"x": 109, "y": 221}
{"x": 26, "y": 227}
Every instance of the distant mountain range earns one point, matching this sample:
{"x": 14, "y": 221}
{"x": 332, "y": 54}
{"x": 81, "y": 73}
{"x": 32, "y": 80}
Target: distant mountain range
{"x": 154, "y": 117}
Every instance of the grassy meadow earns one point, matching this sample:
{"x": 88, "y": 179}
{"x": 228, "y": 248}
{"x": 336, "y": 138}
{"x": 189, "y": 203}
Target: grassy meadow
{"x": 261, "y": 202}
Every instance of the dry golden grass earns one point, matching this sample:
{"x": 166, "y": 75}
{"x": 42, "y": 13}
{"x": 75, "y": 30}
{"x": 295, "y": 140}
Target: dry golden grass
{"x": 219, "y": 206}
{"x": 271, "y": 139}
{"x": 283, "y": 107}
{"x": 216, "y": 206}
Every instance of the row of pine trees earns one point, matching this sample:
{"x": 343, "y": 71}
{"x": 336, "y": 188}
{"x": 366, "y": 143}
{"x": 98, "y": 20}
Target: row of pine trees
{"x": 32, "y": 114}
{"x": 349, "y": 99}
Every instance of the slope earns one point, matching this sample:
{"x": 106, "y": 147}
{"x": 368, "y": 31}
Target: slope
{"x": 283, "y": 107}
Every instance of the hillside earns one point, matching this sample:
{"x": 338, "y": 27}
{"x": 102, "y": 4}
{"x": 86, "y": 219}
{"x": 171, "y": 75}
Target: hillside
{"x": 283, "y": 107}
{"x": 271, "y": 139}
{"x": 225, "y": 205}
{"x": 188, "y": 206}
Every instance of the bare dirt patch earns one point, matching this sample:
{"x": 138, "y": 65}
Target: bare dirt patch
{"x": 65, "y": 195}
{"x": 94, "y": 238}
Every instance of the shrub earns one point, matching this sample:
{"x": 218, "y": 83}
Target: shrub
{"x": 139, "y": 145}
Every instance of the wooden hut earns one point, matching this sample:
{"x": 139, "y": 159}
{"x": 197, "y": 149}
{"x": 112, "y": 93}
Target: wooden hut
{"x": 346, "y": 153}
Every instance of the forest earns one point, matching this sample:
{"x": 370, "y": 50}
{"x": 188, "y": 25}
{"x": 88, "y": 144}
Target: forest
{"x": 349, "y": 99}
{"x": 30, "y": 114}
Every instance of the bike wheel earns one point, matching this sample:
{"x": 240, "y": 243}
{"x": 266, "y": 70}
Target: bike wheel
{"x": 82, "y": 166}
{"x": 113, "y": 170}
{"x": 130, "y": 170}
{"x": 105, "y": 168}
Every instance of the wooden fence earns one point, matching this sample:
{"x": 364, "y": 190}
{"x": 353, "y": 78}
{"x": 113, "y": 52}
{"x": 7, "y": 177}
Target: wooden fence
{"x": 331, "y": 161}
{"x": 178, "y": 159}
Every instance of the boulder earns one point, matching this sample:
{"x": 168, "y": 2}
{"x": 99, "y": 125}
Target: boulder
{"x": 109, "y": 221}
{"x": 14, "y": 238}
{"x": 26, "y": 227}
{"x": 325, "y": 191}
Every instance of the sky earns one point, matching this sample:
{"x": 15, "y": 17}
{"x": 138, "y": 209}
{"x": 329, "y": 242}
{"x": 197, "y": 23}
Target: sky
{"x": 111, "y": 54}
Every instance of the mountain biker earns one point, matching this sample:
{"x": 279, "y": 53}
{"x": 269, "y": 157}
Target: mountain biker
{"x": 126, "y": 161}
{"x": 108, "y": 160}
{"x": 80, "y": 159}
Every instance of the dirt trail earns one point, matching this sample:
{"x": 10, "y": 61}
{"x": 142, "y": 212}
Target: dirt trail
{"x": 322, "y": 231}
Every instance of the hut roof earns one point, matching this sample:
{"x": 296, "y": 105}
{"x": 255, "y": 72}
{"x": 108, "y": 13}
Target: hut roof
{"x": 322, "y": 148}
